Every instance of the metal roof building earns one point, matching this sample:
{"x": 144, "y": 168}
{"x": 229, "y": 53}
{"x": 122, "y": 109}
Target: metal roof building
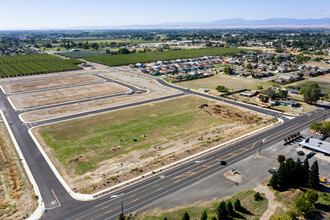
{"x": 316, "y": 145}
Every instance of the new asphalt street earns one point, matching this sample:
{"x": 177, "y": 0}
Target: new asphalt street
{"x": 60, "y": 205}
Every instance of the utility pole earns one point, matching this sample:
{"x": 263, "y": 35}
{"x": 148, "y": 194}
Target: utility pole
{"x": 122, "y": 207}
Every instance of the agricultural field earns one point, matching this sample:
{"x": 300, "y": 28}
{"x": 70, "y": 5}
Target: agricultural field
{"x": 82, "y": 54}
{"x": 49, "y": 83}
{"x": 36, "y": 99}
{"x": 17, "y": 200}
{"x": 118, "y": 60}
{"x": 232, "y": 83}
{"x": 19, "y": 65}
{"x": 119, "y": 145}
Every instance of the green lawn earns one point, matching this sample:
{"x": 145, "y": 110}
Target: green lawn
{"x": 97, "y": 138}
{"x": 232, "y": 83}
{"x": 255, "y": 209}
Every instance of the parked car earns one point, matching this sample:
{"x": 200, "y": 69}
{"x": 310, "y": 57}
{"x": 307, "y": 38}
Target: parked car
{"x": 301, "y": 153}
{"x": 272, "y": 170}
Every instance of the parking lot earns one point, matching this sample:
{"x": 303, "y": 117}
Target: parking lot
{"x": 253, "y": 171}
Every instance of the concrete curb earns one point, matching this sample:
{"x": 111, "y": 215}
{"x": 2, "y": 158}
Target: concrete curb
{"x": 77, "y": 196}
{"x": 41, "y": 206}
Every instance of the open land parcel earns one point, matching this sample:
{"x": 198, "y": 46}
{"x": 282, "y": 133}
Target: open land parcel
{"x": 102, "y": 150}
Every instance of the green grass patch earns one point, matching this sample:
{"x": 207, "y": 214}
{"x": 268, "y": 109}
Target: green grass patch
{"x": 255, "y": 209}
{"x": 118, "y": 60}
{"x": 34, "y": 64}
{"x": 81, "y": 144}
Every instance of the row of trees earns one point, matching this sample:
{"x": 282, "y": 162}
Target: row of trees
{"x": 292, "y": 137}
{"x": 224, "y": 210}
{"x": 295, "y": 174}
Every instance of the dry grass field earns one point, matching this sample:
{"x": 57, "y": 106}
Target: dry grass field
{"x": 100, "y": 150}
{"x": 16, "y": 193}
{"x": 36, "y": 99}
{"x": 232, "y": 83}
{"x": 49, "y": 83}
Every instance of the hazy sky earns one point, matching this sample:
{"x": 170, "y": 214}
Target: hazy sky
{"x": 33, "y": 14}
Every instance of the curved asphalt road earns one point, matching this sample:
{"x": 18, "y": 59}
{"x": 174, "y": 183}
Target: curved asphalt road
{"x": 60, "y": 205}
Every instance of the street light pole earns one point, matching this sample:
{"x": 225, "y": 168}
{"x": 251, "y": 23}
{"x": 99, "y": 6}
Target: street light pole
{"x": 262, "y": 141}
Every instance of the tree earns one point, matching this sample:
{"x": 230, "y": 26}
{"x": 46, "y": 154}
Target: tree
{"x": 283, "y": 94}
{"x": 204, "y": 215}
{"x": 281, "y": 158}
{"x": 312, "y": 196}
{"x": 271, "y": 93}
{"x": 257, "y": 196}
{"x": 229, "y": 208}
{"x": 311, "y": 93}
{"x": 185, "y": 216}
{"x": 303, "y": 206}
{"x": 228, "y": 70}
{"x": 305, "y": 170}
{"x": 249, "y": 66}
{"x": 124, "y": 51}
{"x": 237, "y": 205}
{"x": 260, "y": 88}
{"x": 273, "y": 181}
{"x": 221, "y": 89}
{"x": 165, "y": 218}
{"x": 313, "y": 180}
{"x": 221, "y": 211}
{"x": 121, "y": 216}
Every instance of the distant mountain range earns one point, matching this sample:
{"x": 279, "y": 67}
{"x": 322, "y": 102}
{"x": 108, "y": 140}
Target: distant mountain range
{"x": 231, "y": 23}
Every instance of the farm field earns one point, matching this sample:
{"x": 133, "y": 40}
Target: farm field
{"x": 82, "y": 54}
{"x": 103, "y": 146}
{"x": 32, "y": 64}
{"x": 49, "y": 83}
{"x": 36, "y": 99}
{"x": 232, "y": 83}
{"x": 118, "y": 60}
{"x": 16, "y": 192}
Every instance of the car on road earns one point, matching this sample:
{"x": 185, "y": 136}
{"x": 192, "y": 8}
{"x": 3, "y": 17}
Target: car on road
{"x": 222, "y": 162}
{"x": 301, "y": 153}
{"x": 130, "y": 93}
{"x": 272, "y": 170}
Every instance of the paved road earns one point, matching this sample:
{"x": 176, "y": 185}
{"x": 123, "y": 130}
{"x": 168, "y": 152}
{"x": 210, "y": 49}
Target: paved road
{"x": 60, "y": 205}
{"x": 139, "y": 194}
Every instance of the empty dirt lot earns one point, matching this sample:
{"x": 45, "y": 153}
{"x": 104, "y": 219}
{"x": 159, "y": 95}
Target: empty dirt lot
{"x": 36, "y": 99}
{"x": 98, "y": 151}
{"x": 155, "y": 90}
{"x": 50, "y": 83}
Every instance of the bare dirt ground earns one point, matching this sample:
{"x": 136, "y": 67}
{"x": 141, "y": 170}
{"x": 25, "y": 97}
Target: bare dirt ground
{"x": 136, "y": 163}
{"x": 17, "y": 199}
{"x": 155, "y": 90}
{"x": 65, "y": 95}
{"x": 50, "y": 83}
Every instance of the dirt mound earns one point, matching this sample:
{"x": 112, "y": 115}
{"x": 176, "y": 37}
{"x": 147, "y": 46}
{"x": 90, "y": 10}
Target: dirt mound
{"x": 232, "y": 114}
